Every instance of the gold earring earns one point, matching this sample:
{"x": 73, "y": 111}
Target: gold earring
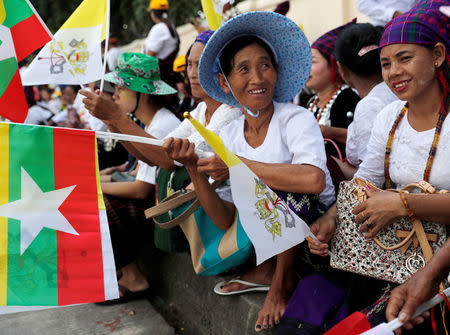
{"x": 436, "y": 64}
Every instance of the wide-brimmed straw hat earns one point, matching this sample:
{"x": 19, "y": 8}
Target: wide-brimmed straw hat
{"x": 287, "y": 41}
{"x": 139, "y": 73}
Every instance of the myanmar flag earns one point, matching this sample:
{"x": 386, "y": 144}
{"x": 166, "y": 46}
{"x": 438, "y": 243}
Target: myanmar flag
{"x": 20, "y": 34}
{"x": 55, "y": 247}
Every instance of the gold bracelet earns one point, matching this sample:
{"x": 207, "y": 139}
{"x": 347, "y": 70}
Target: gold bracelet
{"x": 405, "y": 203}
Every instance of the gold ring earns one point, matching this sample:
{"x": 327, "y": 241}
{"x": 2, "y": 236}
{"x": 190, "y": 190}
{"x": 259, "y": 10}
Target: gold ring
{"x": 363, "y": 215}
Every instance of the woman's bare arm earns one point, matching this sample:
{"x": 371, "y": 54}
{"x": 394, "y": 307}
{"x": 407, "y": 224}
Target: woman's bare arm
{"x": 116, "y": 120}
{"x": 130, "y": 190}
{"x": 298, "y": 178}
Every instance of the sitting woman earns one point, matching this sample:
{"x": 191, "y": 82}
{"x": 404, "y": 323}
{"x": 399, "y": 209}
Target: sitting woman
{"x": 334, "y": 102}
{"x": 247, "y": 64}
{"x": 126, "y": 200}
{"x": 359, "y": 65}
{"x": 409, "y": 140}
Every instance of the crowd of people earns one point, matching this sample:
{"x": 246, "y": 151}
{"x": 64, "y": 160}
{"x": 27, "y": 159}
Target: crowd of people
{"x": 365, "y": 100}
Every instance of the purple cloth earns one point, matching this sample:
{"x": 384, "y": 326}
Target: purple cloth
{"x": 424, "y": 24}
{"x": 204, "y": 36}
{"x": 317, "y": 302}
{"x": 325, "y": 43}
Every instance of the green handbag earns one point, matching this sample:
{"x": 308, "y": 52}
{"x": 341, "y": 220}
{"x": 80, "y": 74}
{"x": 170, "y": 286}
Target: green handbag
{"x": 213, "y": 250}
{"x": 168, "y": 182}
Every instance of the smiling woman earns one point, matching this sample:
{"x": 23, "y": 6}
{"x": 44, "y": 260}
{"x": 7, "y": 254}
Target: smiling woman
{"x": 259, "y": 61}
{"x": 409, "y": 140}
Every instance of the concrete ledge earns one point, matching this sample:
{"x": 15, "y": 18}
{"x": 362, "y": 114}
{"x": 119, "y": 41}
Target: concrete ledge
{"x": 133, "y": 318}
{"x": 198, "y": 309}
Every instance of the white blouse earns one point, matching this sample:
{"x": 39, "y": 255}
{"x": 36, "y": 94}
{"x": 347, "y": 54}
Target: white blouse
{"x": 410, "y": 150}
{"x": 223, "y": 115}
{"x": 160, "y": 40}
{"x": 162, "y": 123}
{"x": 358, "y": 132}
{"x": 293, "y": 137}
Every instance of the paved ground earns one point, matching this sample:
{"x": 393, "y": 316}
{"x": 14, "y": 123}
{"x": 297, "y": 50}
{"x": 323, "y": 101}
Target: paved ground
{"x": 132, "y": 318}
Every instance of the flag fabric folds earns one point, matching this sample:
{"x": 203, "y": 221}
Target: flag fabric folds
{"x": 268, "y": 221}
{"x": 80, "y": 39}
{"x": 20, "y": 34}
{"x": 55, "y": 247}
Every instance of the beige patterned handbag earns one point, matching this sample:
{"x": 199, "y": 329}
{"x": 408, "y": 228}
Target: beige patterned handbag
{"x": 397, "y": 252}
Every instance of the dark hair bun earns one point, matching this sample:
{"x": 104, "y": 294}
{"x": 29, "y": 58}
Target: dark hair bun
{"x": 349, "y": 49}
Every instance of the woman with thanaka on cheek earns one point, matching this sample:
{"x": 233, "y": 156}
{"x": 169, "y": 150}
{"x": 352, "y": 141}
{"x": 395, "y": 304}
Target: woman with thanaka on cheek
{"x": 248, "y": 64}
{"x": 409, "y": 140}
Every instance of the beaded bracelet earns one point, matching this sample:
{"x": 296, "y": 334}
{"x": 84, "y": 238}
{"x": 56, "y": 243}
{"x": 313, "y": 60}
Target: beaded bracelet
{"x": 405, "y": 203}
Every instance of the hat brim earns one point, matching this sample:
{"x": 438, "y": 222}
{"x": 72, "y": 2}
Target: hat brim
{"x": 138, "y": 85}
{"x": 286, "y": 39}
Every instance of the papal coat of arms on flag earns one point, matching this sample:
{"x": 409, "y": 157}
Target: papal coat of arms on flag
{"x": 20, "y": 34}
{"x": 55, "y": 247}
{"x": 75, "y": 57}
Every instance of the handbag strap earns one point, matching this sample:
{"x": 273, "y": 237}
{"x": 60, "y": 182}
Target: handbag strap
{"x": 417, "y": 229}
{"x": 173, "y": 201}
{"x": 180, "y": 218}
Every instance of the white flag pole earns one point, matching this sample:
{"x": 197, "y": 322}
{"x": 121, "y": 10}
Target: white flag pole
{"x": 54, "y": 41}
{"x": 108, "y": 10}
{"x": 386, "y": 329}
{"x": 394, "y": 324}
{"x": 129, "y": 138}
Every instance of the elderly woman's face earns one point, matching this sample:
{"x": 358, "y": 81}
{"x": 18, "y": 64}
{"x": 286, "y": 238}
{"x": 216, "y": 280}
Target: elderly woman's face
{"x": 192, "y": 70}
{"x": 319, "y": 78}
{"x": 253, "y": 77}
{"x": 408, "y": 69}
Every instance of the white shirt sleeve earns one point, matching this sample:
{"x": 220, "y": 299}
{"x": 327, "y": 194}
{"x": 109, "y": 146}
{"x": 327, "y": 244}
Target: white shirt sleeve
{"x": 60, "y": 117}
{"x": 372, "y": 167}
{"x": 37, "y": 115}
{"x": 358, "y": 132}
{"x": 146, "y": 173}
{"x": 378, "y": 11}
{"x": 156, "y": 37}
{"x": 309, "y": 147}
{"x": 163, "y": 122}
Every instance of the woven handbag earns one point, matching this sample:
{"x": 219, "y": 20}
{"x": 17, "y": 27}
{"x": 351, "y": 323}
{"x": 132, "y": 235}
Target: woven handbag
{"x": 213, "y": 250}
{"x": 398, "y": 250}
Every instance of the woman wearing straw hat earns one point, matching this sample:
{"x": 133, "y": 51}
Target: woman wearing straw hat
{"x": 248, "y": 63}
{"x": 138, "y": 90}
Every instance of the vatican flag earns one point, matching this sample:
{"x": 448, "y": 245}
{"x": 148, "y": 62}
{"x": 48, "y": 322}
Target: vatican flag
{"x": 79, "y": 38}
{"x": 268, "y": 221}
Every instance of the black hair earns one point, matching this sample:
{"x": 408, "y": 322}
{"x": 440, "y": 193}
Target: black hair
{"x": 74, "y": 88}
{"x": 186, "y": 77}
{"x": 229, "y": 52}
{"x": 350, "y": 42}
{"x": 29, "y": 95}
